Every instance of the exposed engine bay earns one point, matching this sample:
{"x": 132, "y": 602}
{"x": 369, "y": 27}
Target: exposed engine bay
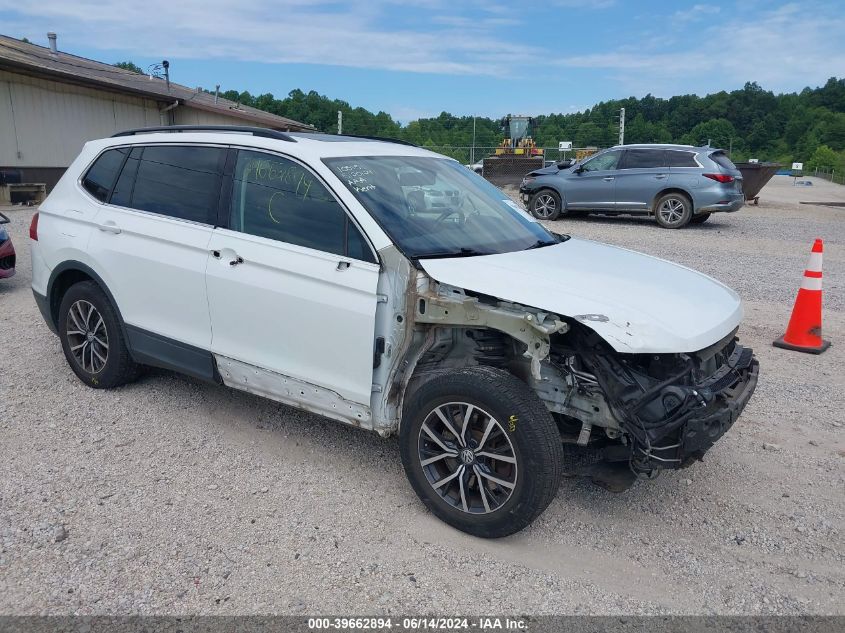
{"x": 647, "y": 412}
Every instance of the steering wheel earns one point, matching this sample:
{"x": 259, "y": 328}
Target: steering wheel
{"x": 447, "y": 214}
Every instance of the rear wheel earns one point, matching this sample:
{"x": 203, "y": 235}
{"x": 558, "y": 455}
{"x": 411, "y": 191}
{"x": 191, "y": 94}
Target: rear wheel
{"x": 545, "y": 205}
{"x": 92, "y": 339}
{"x": 701, "y": 218}
{"x": 481, "y": 451}
{"x": 673, "y": 210}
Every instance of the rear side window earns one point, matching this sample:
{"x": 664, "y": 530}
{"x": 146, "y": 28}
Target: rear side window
{"x": 676, "y": 158}
{"x": 643, "y": 159}
{"x": 722, "y": 160}
{"x": 122, "y": 194}
{"x": 180, "y": 181}
{"x": 99, "y": 179}
{"x": 279, "y": 199}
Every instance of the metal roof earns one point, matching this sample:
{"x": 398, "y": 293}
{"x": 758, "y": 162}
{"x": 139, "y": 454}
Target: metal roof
{"x": 18, "y": 56}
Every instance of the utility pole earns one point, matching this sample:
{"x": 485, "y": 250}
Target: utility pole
{"x": 472, "y": 152}
{"x": 621, "y": 126}
{"x": 340, "y": 121}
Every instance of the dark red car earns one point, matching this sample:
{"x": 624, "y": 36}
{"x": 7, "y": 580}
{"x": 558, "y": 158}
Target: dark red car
{"x": 7, "y": 250}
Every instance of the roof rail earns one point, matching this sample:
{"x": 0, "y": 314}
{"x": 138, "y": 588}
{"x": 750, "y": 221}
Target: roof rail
{"x": 238, "y": 129}
{"x": 386, "y": 139}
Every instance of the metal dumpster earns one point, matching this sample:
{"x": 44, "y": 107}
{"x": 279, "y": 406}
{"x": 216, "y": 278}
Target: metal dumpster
{"x": 754, "y": 178}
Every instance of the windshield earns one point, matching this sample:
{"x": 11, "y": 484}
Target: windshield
{"x": 435, "y": 207}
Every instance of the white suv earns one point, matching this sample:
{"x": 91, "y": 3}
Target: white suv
{"x": 302, "y": 267}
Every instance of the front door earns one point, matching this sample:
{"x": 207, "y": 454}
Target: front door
{"x": 593, "y": 185}
{"x": 642, "y": 174}
{"x": 292, "y": 288}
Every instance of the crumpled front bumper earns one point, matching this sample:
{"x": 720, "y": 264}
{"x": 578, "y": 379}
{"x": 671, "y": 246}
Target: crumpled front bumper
{"x": 730, "y": 389}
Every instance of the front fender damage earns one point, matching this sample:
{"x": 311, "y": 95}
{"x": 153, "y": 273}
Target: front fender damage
{"x": 451, "y": 306}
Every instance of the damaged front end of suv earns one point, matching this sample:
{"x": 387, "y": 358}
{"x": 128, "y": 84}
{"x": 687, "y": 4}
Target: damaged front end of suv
{"x": 653, "y": 411}
{"x": 649, "y": 383}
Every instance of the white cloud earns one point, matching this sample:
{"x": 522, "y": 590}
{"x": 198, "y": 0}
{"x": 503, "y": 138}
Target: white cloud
{"x": 353, "y": 34}
{"x": 697, "y": 12}
{"x": 585, "y": 4}
{"x": 782, "y": 49}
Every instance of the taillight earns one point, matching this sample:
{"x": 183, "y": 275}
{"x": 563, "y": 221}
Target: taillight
{"x": 33, "y": 227}
{"x": 719, "y": 177}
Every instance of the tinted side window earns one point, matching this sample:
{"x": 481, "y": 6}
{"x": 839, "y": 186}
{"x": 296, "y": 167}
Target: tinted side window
{"x": 276, "y": 198}
{"x": 680, "y": 159}
{"x": 100, "y": 177}
{"x": 182, "y": 182}
{"x": 603, "y": 162}
{"x": 122, "y": 194}
{"x": 643, "y": 159}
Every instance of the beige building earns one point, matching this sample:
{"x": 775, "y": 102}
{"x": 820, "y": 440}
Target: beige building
{"x": 52, "y": 102}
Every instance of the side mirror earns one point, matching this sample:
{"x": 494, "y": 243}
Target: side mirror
{"x": 565, "y": 164}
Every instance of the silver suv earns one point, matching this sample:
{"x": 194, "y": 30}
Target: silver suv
{"x": 677, "y": 184}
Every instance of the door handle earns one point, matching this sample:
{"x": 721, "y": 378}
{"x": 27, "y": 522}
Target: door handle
{"x": 109, "y": 227}
{"x": 661, "y": 176}
{"x": 341, "y": 266}
{"x": 608, "y": 178}
{"x": 238, "y": 260}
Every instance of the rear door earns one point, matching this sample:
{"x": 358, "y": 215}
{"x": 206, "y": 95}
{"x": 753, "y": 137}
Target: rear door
{"x": 292, "y": 288}
{"x": 152, "y": 245}
{"x": 726, "y": 166}
{"x": 643, "y": 173}
{"x": 593, "y": 186}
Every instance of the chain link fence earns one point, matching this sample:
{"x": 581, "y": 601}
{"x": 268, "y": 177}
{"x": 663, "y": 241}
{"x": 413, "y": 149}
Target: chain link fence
{"x": 469, "y": 155}
{"x": 828, "y": 173}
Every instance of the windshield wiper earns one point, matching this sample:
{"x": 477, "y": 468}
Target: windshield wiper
{"x": 462, "y": 252}
{"x": 541, "y": 244}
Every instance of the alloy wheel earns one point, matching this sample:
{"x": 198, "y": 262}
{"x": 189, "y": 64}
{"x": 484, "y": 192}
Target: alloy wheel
{"x": 545, "y": 206}
{"x": 467, "y": 458}
{"x": 87, "y": 336}
{"x": 671, "y": 210}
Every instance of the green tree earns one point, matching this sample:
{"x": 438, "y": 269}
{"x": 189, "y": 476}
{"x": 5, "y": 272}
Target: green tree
{"x": 130, "y": 66}
{"x": 754, "y": 121}
{"x": 718, "y": 132}
{"x": 824, "y": 158}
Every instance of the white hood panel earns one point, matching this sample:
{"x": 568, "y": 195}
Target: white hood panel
{"x": 635, "y": 302}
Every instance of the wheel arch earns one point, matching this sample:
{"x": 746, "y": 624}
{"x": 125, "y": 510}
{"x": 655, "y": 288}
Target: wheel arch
{"x": 663, "y": 192}
{"x": 449, "y": 348}
{"x": 66, "y": 275}
{"x": 547, "y": 186}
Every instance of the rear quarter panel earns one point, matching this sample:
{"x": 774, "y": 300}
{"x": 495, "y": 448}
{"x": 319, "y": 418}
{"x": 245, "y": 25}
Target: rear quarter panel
{"x": 65, "y": 221}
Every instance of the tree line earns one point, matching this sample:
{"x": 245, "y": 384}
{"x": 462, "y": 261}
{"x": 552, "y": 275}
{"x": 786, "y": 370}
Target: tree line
{"x": 807, "y": 126}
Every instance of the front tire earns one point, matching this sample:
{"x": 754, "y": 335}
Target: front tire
{"x": 673, "y": 210}
{"x": 92, "y": 339}
{"x": 545, "y": 205}
{"x": 481, "y": 451}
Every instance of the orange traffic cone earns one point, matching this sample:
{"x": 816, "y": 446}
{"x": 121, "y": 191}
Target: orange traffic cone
{"x": 804, "y": 332}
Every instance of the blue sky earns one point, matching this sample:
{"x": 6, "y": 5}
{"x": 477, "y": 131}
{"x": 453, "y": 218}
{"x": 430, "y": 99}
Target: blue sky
{"x": 416, "y": 58}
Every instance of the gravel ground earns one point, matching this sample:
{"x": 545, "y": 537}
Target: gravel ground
{"x": 172, "y": 496}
